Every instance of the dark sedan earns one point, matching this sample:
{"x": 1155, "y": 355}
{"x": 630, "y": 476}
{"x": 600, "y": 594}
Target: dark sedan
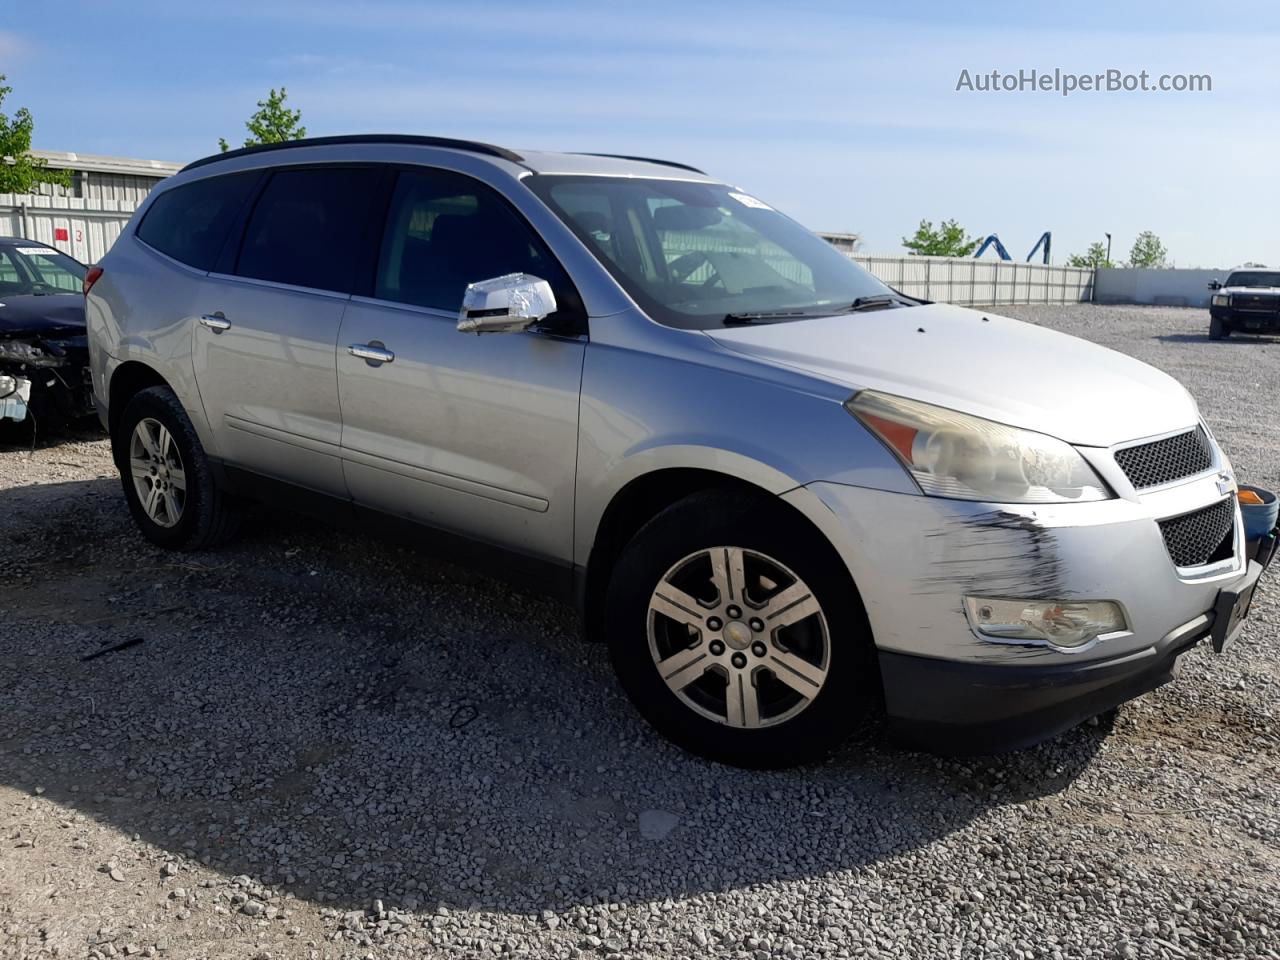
{"x": 44, "y": 357}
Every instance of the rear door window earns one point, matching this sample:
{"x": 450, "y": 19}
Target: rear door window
{"x": 307, "y": 227}
{"x": 190, "y": 222}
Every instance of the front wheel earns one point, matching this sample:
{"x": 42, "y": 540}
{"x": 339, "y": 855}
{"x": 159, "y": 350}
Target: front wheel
{"x": 734, "y": 629}
{"x": 1219, "y": 329}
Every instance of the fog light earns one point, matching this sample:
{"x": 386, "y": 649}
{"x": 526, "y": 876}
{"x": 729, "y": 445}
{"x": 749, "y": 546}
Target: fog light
{"x": 1063, "y": 623}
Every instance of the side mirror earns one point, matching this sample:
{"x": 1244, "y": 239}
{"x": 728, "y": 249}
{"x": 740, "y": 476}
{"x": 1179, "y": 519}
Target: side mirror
{"x": 506, "y": 304}
{"x": 1215, "y": 285}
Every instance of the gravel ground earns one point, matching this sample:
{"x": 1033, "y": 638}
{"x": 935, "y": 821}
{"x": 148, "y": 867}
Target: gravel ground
{"x": 313, "y": 745}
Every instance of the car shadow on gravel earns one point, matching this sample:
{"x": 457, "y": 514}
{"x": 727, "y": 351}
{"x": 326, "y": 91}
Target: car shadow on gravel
{"x": 1205, "y": 338}
{"x": 343, "y": 720}
{"x": 45, "y": 433}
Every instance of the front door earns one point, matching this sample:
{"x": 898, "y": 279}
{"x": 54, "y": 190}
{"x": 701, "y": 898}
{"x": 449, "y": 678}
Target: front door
{"x": 267, "y": 331}
{"x": 472, "y": 434}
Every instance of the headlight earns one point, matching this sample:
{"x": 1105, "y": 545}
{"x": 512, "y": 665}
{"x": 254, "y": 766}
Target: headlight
{"x": 955, "y": 455}
{"x": 1063, "y": 623}
{"x": 1221, "y": 299}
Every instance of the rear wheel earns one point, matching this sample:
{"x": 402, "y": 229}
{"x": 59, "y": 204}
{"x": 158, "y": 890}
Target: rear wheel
{"x": 167, "y": 479}
{"x": 1219, "y": 329}
{"x": 736, "y": 632}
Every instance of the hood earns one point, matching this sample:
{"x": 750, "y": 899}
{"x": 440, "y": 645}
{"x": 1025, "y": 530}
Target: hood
{"x": 1260, "y": 291}
{"x": 55, "y": 313}
{"x": 982, "y": 364}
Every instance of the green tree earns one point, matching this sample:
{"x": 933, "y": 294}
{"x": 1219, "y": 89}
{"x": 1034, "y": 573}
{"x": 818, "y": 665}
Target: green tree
{"x": 948, "y": 240}
{"x": 273, "y": 122}
{"x": 1095, "y": 257}
{"x": 1147, "y": 251}
{"x": 19, "y": 171}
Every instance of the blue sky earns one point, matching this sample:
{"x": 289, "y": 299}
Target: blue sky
{"x": 843, "y": 114}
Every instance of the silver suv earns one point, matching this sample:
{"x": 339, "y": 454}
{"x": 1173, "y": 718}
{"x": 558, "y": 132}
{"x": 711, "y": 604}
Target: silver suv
{"x": 784, "y": 494}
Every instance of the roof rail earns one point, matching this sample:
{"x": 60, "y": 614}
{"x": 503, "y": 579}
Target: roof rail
{"x": 661, "y": 163}
{"x": 470, "y": 146}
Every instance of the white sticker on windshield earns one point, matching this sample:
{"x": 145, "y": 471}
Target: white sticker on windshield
{"x": 749, "y": 201}
{"x": 36, "y": 251}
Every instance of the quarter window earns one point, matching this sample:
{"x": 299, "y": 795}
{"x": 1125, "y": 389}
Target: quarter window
{"x": 445, "y": 230}
{"x": 307, "y": 227}
{"x": 190, "y": 222}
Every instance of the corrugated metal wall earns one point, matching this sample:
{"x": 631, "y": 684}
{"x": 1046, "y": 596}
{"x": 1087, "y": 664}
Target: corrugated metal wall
{"x": 82, "y": 220}
{"x": 941, "y": 279}
{"x": 85, "y": 229}
{"x": 965, "y": 280}
{"x": 92, "y": 185}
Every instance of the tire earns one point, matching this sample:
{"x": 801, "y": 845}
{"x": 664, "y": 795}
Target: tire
{"x": 1219, "y": 329}
{"x": 827, "y": 651}
{"x": 189, "y": 512}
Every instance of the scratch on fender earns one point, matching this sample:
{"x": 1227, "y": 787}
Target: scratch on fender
{"x": 994, "y": 553}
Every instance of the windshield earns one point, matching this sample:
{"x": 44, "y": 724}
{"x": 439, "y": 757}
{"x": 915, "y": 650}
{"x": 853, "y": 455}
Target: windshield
{"x": 1254, "y": 278}
{"x": 692, "y": 254}
{"x": 36, "y": 270}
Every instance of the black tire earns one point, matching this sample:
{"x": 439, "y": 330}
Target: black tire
{"x": 851, "y": 690}
{"x": 1219, "y": 329}
{"x": 207, "y": 516}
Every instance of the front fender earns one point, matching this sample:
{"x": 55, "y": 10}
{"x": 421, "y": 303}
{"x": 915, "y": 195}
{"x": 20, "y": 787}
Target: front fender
{"x": 644, "y": 411}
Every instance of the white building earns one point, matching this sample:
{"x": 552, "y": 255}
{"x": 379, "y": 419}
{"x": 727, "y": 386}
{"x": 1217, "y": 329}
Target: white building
{"x": 85, "y": 218}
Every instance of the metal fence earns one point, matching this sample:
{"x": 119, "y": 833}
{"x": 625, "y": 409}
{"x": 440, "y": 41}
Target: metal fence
{"x": 86, "y": 228}
{"x": 83, "y": 228}
{"x": 965, "y": 280}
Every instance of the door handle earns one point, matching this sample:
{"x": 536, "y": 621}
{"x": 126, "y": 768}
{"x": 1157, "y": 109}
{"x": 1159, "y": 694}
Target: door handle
{"x": 374, "y": 352}
{"x": 216, "y": 322}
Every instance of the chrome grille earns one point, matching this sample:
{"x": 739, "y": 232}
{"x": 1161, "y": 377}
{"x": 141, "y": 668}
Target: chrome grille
{"x": 1163, "y": 461}
{"x": 1202, "y": 536}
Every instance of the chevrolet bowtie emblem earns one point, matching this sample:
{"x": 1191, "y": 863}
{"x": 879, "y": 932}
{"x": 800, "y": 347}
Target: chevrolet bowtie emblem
{"x": 1225, "y": 484}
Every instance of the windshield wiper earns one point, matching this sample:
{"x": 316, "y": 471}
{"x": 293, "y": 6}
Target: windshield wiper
{"x": 754, "y": 316}
{"x": 879, "y": 300}
{"x": 862, "y": 303}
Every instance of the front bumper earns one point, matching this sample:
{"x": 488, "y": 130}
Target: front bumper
{"x": 59, "y": 381}
{"x": 954, "y": 707}
{"x": 915, "y": 558}
{"x": 1247, "y": 321}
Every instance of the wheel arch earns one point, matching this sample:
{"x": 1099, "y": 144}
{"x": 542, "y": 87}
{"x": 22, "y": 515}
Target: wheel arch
{"x": 132, "y": 376}
{"x": 641, "y": 499}
{"x": 128, "y": 379}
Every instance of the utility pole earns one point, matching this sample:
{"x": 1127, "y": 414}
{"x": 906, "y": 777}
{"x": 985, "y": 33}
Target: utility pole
{"x": 1108, "y": 236}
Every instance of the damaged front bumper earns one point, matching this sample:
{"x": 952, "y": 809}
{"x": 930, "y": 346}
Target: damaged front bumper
{"x": 45, "y": 375}
{"x": 915, "y": 559}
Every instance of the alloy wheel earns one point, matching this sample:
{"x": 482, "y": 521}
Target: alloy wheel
{"x": 739, "y": 637}
{"x": 158, "y": 474}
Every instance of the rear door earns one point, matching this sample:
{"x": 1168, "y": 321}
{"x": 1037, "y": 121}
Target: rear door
{"x": 268, "y": 324}
{"x": 473, "y": 434}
